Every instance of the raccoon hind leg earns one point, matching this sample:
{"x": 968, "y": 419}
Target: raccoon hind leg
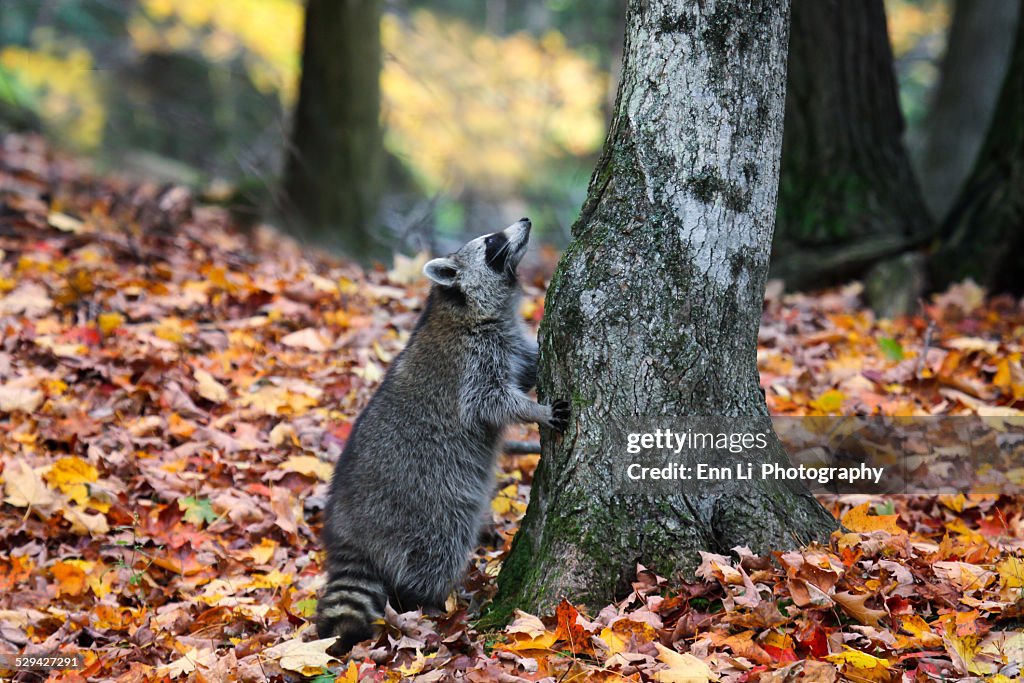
{"x": 353, "y": 598}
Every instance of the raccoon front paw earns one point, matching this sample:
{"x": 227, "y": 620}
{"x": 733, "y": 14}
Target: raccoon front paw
{"x": 560, "y": 413}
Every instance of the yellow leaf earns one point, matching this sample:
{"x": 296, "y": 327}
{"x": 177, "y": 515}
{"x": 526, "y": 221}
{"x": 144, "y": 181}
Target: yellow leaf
{"x": 306, "y": 658}
{"x": 262, "y": 553}
{"x": 858, "y": 519}
{"x": 525, "y": 644}
{"x": 70, "y": 575}
{"x": 208, "y": 387}
{"x": 965, "y": 576}
{"x": 351, "y": 674}
{"x": 919, "y": 628}
{"x": 1011, "y": 572}
{"x": 273, "y": 579}
{"x": 964, "y": 652}
{"x": 682, "y": 668}
{"x": 619, "y": 634}
{"x": 282, "y": 431}
{"x": 507, "y": 501}
{"x": 309, "y": 465}
{"x": 829, "y": 402}
{"x": 278, "y": 401}
{"x": 108, "y": 322}
{"x": 868, "y": 667}
{"x": 71, "y": 474}
{"x": 416, "y": 665}
{"x": 83, "y": 522}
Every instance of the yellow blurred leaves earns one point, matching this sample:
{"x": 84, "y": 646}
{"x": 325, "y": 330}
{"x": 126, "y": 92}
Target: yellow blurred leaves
{"x": 269, "y": 32}
{"x": 70, "y": 475}
{"x": 508, "y": 501}
{"x": 27, "y": 487}
{"x": 468, "y": 108}
{"x": 66, "y": 87}
{"x": 75, "y": 577}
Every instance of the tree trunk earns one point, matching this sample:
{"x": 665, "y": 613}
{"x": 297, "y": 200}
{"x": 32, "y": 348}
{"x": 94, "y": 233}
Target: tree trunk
{"x": 655, "y": 306}
{"x": 984, "y": 235}
{"x": 848, "y": 196}
{"x": 977, "y": 52}
{"x": 336, "y": 158}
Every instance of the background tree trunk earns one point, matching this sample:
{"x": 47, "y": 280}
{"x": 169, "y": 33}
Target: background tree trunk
{"x": 334, "y": 166}
{"x": 977, "y": 52}
{"x": 848, "y": 196}
{"x": 655, "y": 307}
{"x": 983, "y": 237}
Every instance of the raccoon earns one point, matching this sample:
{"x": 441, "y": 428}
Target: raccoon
{"x": 410, "y": 489}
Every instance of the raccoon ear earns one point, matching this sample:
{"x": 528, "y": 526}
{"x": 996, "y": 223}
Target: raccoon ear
{"x": 442, "y": 271}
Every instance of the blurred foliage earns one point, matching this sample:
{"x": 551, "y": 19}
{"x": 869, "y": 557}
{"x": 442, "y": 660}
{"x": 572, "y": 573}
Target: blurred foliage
{"x": 264, "y": 34}
{"x": 495, "y": 117}
{"x": 917, "y": 31}
{"x": 495, "y": 103}
{"x": 468, "y": 108}
{"x": 61, "y": 85}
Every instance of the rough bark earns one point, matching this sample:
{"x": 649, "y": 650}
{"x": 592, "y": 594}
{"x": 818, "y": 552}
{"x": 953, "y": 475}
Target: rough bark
{"x": 983, "y": 237}
{"x": 973, "y": 68}
{"x": 848, "y": 196}
{"x": 335, "y": 161}
{"x": 655, "y": 306}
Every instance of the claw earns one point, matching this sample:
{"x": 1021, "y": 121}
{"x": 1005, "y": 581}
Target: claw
{"x": 560, "y": 414}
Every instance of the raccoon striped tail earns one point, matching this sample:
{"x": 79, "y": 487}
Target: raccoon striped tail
{"x": 353, "y": 599}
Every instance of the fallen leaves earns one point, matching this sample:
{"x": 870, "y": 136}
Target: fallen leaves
{"x": 174, "y": 396}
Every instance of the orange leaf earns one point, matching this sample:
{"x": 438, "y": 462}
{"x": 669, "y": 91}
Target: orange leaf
{"x": 859, "y": 520}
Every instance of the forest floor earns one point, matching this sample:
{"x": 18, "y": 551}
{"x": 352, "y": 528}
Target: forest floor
{"x": 173, "y": 390}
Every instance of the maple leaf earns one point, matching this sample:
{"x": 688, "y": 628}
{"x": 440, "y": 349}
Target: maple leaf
{"x": 70, "y": 475}
{"x": 24, "y": 487}
{"x": 197, "y": 510}
{"x": 858, "y": 519}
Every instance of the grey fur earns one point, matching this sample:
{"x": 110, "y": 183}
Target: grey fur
{"x": 410, "y": 490}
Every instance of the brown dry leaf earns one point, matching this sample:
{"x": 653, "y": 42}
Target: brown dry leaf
{"x": 855, "y": 606}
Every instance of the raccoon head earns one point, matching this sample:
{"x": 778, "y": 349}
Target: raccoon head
{"x": 482, "y": 274}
